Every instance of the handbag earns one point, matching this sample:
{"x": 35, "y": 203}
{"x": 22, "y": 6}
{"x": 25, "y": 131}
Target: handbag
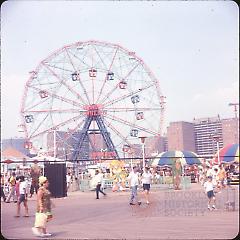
{"x": 40, "y": 220}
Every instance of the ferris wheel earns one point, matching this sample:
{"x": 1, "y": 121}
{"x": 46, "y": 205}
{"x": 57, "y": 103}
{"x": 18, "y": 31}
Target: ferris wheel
{"x": 90, "y": 98}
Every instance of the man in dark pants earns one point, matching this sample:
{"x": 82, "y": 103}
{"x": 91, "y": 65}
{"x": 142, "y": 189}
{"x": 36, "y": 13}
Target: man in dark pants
{"x": 98, "y": 179}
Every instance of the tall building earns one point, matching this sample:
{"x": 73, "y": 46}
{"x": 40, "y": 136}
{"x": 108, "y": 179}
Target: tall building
{"x": 180, "y": 136}
{"x": 208, "y": 135}
{"x": 230, "y": 131}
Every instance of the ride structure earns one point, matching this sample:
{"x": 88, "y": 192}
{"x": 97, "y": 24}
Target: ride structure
{"x": 89, "y": 99}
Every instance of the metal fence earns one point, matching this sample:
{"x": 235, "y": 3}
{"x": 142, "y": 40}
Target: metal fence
{"x": 164, "y": 182}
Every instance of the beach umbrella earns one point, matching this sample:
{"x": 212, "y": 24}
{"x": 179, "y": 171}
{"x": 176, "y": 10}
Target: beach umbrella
{"x": 228, "y": 154}
{"x": 167, "y": 158}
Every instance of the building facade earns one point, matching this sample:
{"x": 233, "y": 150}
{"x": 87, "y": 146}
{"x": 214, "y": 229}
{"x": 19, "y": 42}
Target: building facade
{"x": 203, "y": 136}
{"x": 230, "y": 131}
{"x": 155, "y": 144}
{"x": 180, "y": 136}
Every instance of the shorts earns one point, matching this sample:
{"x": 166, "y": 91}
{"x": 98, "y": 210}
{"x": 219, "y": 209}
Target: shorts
{"x": 22, "y": 198}
{"x": 210, "y": 194}
{"x": 146, "y": 186}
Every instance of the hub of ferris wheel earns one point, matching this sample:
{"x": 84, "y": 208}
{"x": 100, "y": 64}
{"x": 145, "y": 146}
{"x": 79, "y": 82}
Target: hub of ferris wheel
{"x": 95, "y": 113}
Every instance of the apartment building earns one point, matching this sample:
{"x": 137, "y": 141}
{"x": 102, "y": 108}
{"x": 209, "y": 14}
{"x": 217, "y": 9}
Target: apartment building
{"x": 208, "y": 135}
{"x": 230, "y": 131}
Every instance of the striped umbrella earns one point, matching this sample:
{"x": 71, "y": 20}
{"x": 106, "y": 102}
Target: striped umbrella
{"x": 227, "y": 154}
{"x": 186, "y": 158}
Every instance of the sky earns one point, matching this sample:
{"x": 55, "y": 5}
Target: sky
{"x": 192, "y": 47}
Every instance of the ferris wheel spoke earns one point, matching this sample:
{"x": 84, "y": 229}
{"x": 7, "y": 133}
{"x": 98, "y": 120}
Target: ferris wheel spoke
{"x": 67, "y": 136}
{"x": 117, "y": 132}
{"x": 40, "y": 124}
{"x": 127, "y": 95}
{"x": 75, "y": 69}
{"x": 63, "y": 81}
{"x": 94, "y": 47}
{"x": 120, "y": 120}
{"x": 57, "y": 126}
{"x": 75, "y": 56}
{"x": 58, "y": 97}
{"x": 116, "y": 87}
{"x": 72, "y": 131}
{"x": 35, "y": 105}
{"x": 56, "y": 111}
{"x": 105, "y": 80}
{"x": 64, "y": 69}
{"x": 131, "y": 109}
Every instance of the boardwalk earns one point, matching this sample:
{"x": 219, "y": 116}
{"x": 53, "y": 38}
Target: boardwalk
{"x": 171, "y": 215}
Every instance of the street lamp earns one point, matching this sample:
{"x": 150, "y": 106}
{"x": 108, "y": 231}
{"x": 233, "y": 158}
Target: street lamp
{"x": 54, "y": 143}
{"x": 127, "y": 149}
{"x": 216, "y": 138}
{"x": 235, "y": 105}
{"x": 130, "y": 153}
{"x": 142, "y": 138}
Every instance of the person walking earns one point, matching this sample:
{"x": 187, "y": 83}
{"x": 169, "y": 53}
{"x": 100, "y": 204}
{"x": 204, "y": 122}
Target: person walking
{"x": 146, "y": 181}
{"x": 222, "y": 177}
{"x": 133, "y": 184}
{"x": 22, "y": 196}
{"x": 98, "y": 178}
{"x": 68, "y": 180}
{"x": 17, "y": 186}
{"x": 12, "y": 190}
{"x": 209, "y": 187}
{"x": 177, "y": 172}
{"x": 44, "y": 205}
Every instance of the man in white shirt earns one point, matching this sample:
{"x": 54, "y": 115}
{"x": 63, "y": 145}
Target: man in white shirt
{"x": 98, "y": 178}
{"x": 133, "y": 184}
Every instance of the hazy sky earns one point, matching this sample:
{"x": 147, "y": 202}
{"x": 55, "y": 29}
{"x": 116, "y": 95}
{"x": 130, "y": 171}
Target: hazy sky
{"x": 191, "y": 46}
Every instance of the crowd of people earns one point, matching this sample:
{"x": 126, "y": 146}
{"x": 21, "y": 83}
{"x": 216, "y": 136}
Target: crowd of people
{"x": 22, "y": 186}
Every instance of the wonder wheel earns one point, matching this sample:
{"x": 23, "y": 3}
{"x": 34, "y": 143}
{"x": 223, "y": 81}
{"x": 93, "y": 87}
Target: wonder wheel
{"x": 90, "y": 99}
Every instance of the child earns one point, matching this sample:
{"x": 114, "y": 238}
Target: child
{"x": 22, "y": 196}
{"x": 208, "y": 185}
